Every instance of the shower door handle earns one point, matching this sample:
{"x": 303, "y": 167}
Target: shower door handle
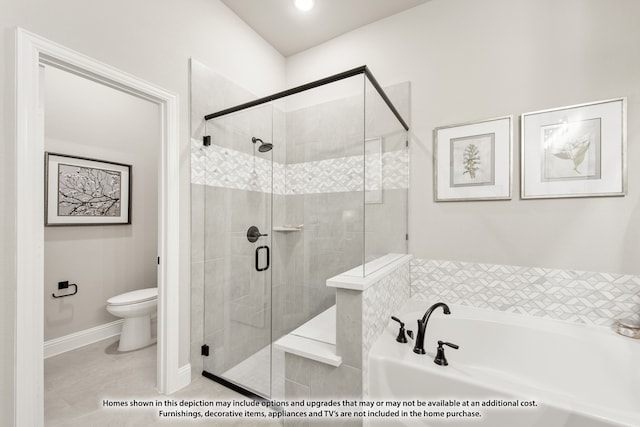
{"x": 258, "y": 249}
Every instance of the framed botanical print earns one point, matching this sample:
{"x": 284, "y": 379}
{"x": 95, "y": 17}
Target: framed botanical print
{"x": 81, "y": 191}
{"x": 576, "y": 151}
{"x": 472, "y": 161}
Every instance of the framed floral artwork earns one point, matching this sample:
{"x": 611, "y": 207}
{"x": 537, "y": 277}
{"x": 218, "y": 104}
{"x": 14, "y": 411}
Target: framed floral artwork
{"x": 472, "y": 161}
{"x": 81, "y": 191}
{"x": 575, "y": 151}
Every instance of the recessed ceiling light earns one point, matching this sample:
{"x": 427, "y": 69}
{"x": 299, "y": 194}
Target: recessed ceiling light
{"x": 304, "y": 5}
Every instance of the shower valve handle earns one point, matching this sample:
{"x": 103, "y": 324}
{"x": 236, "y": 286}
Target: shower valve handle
{"x": 253, "y": 234}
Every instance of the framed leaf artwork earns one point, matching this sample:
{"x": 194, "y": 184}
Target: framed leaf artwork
{"x": 472, "y": 161}
{"x": 576, "y": 151}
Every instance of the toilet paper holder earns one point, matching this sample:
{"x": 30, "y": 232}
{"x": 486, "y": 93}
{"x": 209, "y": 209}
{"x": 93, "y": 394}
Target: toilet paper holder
{"x": 65, "y": 285}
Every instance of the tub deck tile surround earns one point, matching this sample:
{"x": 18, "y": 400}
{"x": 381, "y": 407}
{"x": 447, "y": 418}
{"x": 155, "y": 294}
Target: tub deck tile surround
{"x": 380, "y": 302}
{"x": 570, "y": 295}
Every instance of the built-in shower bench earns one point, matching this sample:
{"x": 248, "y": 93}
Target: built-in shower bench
{"x": 315, "y": 339}
{"x": 327, "y": 357}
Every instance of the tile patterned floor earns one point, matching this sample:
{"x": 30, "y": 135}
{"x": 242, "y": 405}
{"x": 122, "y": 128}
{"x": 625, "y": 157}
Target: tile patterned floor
{"x": 253, "y": 372}
{"x": 76, "y": 383}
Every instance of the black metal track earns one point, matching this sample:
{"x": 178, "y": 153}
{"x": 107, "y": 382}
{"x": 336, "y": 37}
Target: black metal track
{"x": 331, "y": 79}
{"x": 386, "y": 99}
{"x": 243, "y": 391}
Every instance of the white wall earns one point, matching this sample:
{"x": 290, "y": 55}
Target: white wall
{"x": 466, "y": 59}
{"x": 87, "y": 119}
{"x": 151, "y": 40}
{"x": 472, "y": 60}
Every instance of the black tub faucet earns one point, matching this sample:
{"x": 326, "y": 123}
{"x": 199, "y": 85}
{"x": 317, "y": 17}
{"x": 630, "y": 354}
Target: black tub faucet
{"x": 402, "y": 338}
{"x": 422, "y": 326}
{"x": 440, "y": 357}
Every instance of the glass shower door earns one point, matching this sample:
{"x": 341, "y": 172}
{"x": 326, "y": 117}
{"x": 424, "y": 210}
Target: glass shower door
{"x": 238, "y": 254}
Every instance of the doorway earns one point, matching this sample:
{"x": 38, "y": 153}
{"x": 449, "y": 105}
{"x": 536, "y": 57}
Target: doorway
{"x": 105, "y": 142}
{"x": 34, "y": 51}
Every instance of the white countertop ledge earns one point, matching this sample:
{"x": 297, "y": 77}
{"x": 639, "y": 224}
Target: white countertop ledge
{"x": 315, "y": 339}
{"x": 381, "y": 267}
{"x": 310, "y": 349}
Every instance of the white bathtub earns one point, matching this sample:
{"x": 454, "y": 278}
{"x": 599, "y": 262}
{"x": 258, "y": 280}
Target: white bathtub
{"x": 581, "y": 376}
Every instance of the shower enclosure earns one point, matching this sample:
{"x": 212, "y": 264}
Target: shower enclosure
{"x": 288, "y": 191}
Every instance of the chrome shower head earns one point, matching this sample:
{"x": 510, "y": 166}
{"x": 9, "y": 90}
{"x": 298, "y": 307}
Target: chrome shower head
{"x": 264, "y": 146}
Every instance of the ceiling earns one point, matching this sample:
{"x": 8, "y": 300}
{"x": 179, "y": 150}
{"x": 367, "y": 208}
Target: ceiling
{"x": 291, "y": 31}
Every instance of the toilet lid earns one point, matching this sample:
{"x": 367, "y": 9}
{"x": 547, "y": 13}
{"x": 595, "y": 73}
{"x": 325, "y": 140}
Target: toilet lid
{"x": 141, "y": 295}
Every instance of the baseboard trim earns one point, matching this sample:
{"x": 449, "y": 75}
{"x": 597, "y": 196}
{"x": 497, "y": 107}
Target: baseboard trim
{"x": 80, "y": 339}
{"x": 184, "y": 376}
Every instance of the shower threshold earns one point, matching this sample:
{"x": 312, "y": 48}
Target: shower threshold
{"x": 250, "y": 375}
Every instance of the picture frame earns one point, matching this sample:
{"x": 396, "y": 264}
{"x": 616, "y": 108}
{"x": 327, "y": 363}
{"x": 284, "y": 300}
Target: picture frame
{"x": 472, "y": 161}
{"x": 574, "y": 151}
{"x": 84, "y": 191}
{"x": 373, "y": 171}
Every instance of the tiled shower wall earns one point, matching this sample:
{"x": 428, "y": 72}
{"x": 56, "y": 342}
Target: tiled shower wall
{"x": 323, "y": 190}
{"x": 317, "y": 176}
{"x": 576, "y": 296}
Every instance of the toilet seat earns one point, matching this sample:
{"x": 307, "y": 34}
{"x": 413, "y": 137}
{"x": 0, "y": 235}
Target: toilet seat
{"x": 134, "y": 297}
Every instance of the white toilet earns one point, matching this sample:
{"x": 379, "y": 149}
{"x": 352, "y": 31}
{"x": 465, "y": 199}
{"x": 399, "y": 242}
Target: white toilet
{"x": 136, "y": 308}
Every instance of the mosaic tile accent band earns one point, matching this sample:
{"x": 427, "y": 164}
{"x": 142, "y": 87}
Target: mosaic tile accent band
{"x": 575, "y": 296}
{"x": 379, "y": 303}
{"x": 233, "y": 169}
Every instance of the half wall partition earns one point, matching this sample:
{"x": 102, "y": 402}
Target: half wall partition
{"x": 288, "y": 191}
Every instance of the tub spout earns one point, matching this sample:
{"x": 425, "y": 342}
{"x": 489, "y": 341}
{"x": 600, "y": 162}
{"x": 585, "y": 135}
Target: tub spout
{"x": 422, "y": 326}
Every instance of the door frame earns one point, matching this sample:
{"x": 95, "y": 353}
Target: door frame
{"x": 32, "y": 51}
